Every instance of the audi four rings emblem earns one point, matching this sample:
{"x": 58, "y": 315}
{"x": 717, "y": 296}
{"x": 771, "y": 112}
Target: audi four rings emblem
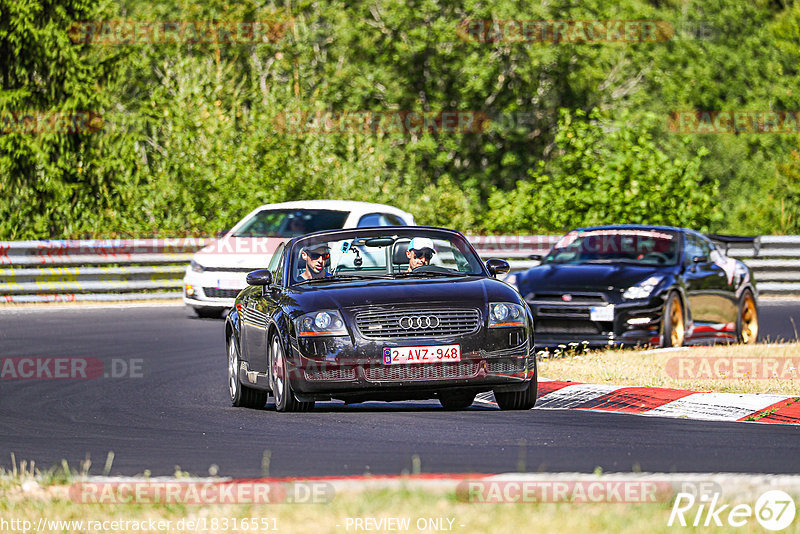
{"x": 419, "y": 321}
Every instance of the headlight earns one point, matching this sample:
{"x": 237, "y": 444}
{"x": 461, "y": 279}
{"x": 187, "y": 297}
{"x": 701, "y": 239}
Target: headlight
{"x": 321, "y": 323}
{"x": 643, "y": 289}
{"x": 504, "y": 314}
{"x": 196, "y": 267}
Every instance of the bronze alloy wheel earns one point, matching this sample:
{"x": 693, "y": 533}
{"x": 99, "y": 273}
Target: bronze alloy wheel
{"x": 673, "y": 329}
{"x": 748, "y": 319}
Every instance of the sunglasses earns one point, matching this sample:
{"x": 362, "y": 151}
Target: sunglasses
{"x": 315, "y": 255}
{"x": 427, "y": 254}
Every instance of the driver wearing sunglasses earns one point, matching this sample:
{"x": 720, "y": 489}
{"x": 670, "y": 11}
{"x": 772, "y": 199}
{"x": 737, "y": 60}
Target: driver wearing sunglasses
{"x": 316, "y": 257}
{"x": 419, "y": 253}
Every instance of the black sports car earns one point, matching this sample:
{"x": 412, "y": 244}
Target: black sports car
{"x": 388, "y": 313}
{"x": 640, "y": 285}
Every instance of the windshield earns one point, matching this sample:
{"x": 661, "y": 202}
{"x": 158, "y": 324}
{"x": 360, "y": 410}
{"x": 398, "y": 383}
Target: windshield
{"x": 291, "y": 223}
{"x": 407, "y": 254}
{"x": 645, "y": 247}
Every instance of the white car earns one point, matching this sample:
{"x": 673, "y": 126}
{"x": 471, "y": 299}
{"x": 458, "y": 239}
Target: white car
{"x": 217, "y": 273}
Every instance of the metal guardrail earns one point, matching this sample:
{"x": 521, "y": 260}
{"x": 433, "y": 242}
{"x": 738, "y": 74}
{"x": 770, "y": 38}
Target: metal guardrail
{"x": 136, "y": 269}
{"x": 94, "y": 270}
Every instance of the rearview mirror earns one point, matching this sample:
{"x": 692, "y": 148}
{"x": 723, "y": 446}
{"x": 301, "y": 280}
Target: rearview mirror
{"x": 700, "y": 259}
{"x": 497, "y": 266}
{"x": 260, "y": 277}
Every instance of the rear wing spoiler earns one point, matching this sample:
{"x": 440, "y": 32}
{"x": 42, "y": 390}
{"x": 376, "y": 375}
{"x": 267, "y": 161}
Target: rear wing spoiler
{"x": 728, "y": 240}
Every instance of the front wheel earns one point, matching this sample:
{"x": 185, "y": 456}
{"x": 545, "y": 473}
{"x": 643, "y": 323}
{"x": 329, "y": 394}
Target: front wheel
{"x": 241, "y": 395}
{"x": 519, "y": 400}
{"x": 279, "y": 380}
{"x": 673, "y": 329}
{"x": 747, "y": 320}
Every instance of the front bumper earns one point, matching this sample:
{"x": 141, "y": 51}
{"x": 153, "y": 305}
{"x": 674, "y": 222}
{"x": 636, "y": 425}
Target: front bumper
{"x": 332, "y": 368}
{"x": 635, "y": 322}
{"x": 212, "y": 289}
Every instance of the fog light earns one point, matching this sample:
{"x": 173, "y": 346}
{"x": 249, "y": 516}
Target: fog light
{"x": 189, "y": 290}
{"x": 639, "y": 320}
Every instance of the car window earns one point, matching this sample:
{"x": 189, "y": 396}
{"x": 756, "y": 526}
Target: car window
{"x": 291, "y": 223}
{"x": 276, "y": 264}
{"x": 614, "y": 245}
{"x": 696, "y": 247}
{"x": 361, "y": 254}
{"x": 380, "y": 219}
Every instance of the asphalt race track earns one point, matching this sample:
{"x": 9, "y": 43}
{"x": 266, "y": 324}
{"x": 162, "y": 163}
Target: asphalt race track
{"x": 174, "y": 411}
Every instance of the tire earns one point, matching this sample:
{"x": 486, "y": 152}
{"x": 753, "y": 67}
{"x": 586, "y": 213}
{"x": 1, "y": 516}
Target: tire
{"x": 240, "y": 394}
{"x": 209, "y": 313}
{"x": 280, "y": 383}
{"x": 747, "y": 319}
{"x": 519, "y": 400}
{"x": 456, "y": 400}
{"x": 673, "y": 325}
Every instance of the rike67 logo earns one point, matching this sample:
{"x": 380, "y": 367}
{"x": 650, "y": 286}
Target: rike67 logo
{"x": 774, "y": 510}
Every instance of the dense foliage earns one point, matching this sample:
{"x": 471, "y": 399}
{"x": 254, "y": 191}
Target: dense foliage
{"x": 189, "y": 134}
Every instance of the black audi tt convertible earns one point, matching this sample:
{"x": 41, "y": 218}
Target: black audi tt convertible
{"x": 386, "y": 313}
{"x": 640, "y": 285}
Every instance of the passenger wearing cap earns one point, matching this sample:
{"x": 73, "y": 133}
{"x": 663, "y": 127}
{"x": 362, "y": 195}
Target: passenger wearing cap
{"x": 315, "y": 257}
{"x": 419, "y": 253}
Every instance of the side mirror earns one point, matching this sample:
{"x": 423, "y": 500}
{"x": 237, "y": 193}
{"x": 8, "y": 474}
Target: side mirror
{"x": 260, "y": 277}
{"x": 497, "y": 266}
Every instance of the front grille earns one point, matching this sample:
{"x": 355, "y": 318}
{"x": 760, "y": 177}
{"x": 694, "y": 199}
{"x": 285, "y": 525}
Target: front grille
{"x": 551, "y": 326}
{"x": 575, "y": 298}
{"x": 430, "y": 371}
{"x": 379, "y": 324}
{"x": 214, "y": 293}
{"x": 347, "y": 373}
{"x": 506, "y": 366}
{"x": 572, "y": 312}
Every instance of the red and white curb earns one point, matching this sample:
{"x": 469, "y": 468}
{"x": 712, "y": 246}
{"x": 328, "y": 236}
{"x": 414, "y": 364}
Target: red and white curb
{"x": 663, "y": 402}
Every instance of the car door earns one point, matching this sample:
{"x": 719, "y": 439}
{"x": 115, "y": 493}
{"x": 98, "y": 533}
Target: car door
{"x": 706, "y": 284}
{"x": 259, "y": 305}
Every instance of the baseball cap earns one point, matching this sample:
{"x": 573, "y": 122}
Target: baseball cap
{"x": 419, "y": 243}
{"x": 320, "y": 248}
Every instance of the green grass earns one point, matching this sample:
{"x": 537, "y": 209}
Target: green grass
{"x": 27, "y": 494}
{"x": 629, "y": 367}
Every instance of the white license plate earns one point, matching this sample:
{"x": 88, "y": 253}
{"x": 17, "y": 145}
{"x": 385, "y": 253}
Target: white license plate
{"x": 229, "y": 284}
{"x": 602, "y": 313}
{"x": 429, "y": 354}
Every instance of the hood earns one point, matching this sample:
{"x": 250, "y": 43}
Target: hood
{"x": 472, "y": 291}
{"x": 586, "y": 277}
